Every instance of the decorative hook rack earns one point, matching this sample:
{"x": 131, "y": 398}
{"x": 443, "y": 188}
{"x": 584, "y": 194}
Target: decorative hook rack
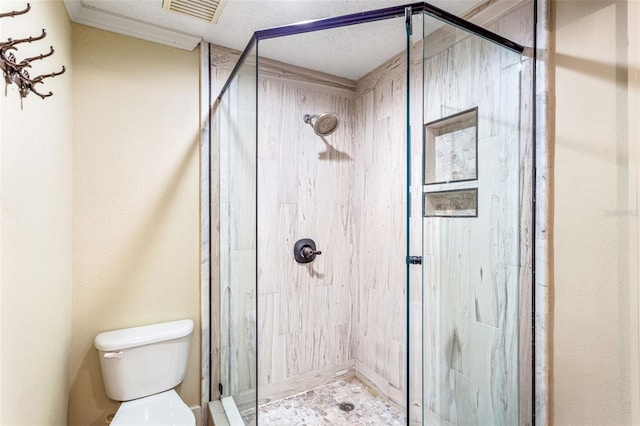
{"x": 15, "y": 72}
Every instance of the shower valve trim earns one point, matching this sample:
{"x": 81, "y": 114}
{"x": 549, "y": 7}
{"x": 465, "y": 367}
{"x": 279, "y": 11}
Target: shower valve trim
{"x": 304, "y": 250}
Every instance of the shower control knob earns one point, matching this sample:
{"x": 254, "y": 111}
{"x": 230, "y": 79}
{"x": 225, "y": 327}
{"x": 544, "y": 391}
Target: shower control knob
{"x": 304, "y": 250}
{"x": 307, "y": 252}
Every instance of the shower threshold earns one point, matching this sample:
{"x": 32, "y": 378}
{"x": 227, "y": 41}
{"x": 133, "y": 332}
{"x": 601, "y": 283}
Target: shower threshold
{"x": 343, "y": 402}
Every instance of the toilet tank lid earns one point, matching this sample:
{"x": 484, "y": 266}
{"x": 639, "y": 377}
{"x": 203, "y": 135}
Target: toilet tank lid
{"x": 145, "y": 335}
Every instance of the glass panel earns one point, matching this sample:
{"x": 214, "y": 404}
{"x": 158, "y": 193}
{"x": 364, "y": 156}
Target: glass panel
{"x": 236, "y": 139}
{"x": 337, "y": 324}
{"x": 471, "y": 264}
{"x": 414, "y": 219}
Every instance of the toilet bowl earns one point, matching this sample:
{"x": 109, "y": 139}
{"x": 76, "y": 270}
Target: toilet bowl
{"x": 141, "y": 366}
{"x": 165, "y": 408}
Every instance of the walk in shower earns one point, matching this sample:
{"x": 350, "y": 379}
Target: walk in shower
{"x": 371, "y": 221}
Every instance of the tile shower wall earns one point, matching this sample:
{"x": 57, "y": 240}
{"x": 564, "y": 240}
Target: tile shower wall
{"x": 345, "y": 312}
{"x": 471, "y": 266}
{"x": 380, "y": 317}
{"x": 306, "y": 190}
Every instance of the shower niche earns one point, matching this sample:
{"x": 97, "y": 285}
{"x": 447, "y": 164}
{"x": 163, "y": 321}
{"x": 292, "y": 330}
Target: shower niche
{"x": 451, "y": 203}
{"x": 451, "y": 148}
{"x": 451, "y": 166}
{"x": 358, "y": 316}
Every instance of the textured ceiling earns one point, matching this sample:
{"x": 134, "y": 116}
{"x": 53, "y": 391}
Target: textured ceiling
{"x": 348, "y": 52}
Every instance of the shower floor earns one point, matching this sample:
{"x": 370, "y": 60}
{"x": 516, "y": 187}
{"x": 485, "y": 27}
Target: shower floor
{"x": 320, "y": 406}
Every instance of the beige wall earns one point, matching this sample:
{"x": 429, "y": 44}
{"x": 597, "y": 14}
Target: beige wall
{"x": 35, "y": 218}
{"x": 135, "y": 201}
{"x": 633, "y": 15}
{"x": 591, "y": 317}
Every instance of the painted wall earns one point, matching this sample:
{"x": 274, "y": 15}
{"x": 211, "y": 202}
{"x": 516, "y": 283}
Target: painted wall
{"x": 591, "y": 316}
{"x": 35, "y": 226}
{"x": 135, "y": 202}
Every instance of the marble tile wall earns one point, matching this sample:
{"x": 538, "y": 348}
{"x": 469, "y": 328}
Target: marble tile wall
{"x": 471, "y": 266}
{"x": 518, "y": 25}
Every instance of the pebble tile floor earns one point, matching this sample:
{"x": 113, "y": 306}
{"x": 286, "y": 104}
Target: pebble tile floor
{"x": 320, "y": 406}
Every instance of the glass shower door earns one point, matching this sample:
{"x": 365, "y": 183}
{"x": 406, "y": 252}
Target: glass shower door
{"x": 470, "y": 193}
{"x": 443, "y": 344}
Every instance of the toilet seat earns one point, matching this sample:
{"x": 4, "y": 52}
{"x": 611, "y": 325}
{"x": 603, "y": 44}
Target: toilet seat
{"x": 162, "y": 409}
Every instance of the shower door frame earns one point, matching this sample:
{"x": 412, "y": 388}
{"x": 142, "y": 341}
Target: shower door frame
{"x": 407, "y": 11}
{"x": 364, "y": 17}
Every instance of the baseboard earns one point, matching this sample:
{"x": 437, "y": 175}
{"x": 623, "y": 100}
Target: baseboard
{"x": 381, "y": 386}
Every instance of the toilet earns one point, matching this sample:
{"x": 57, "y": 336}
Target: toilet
{"x": 141, "y": 366}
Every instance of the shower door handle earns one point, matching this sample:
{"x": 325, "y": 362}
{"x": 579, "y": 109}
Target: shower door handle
{"x": 414, "y": 260}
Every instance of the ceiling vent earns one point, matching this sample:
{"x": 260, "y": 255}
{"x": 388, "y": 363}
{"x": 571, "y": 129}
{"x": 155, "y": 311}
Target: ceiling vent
{"x": 207, "y": 10}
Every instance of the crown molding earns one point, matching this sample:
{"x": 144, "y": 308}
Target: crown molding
{"x": 82, "y": 14}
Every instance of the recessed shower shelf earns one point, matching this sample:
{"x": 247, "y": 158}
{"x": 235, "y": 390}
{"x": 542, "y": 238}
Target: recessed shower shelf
{"x": 455, "y": 203}
{"x": 451, "y": 166}
{"x": 451, "y": 148}
{"x": 450, "y": 186}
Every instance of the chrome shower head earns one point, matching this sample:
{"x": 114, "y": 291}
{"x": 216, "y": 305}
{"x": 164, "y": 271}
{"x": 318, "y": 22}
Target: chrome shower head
{"x": 325, "y": 124}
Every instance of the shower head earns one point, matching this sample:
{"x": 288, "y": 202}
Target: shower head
{"x": 325, "y": 124}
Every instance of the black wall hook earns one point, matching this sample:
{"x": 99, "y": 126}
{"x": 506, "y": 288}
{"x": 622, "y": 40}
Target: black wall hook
{"x": 14, "y": 71}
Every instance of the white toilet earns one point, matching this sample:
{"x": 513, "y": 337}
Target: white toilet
{"x": 141, "y": 366}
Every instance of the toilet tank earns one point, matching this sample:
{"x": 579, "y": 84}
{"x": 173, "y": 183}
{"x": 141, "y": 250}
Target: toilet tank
{"x": 142, "y": 361}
